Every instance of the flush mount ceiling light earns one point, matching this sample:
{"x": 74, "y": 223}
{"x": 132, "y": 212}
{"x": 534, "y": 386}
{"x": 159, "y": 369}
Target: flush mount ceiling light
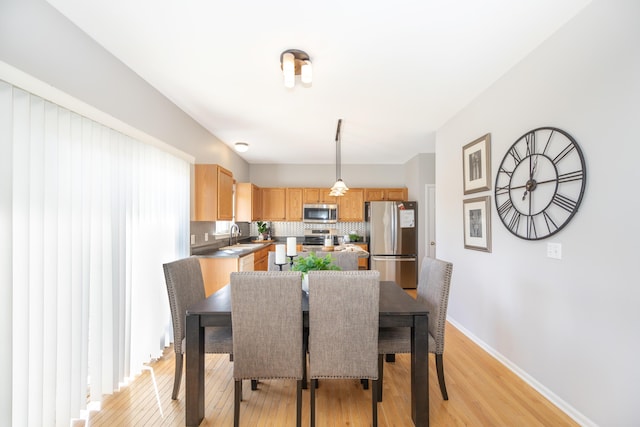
{"x": 241, "y": 147}
{"x": 294, "y": 63}
{"x": 339, "y": 188}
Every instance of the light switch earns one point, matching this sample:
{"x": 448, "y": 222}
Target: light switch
{"x": 206, "y": 237}
{"x": 554, "y": 250}
{"x": 193, "y": 239}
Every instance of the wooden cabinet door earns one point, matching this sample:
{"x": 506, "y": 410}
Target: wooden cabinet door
{"x": 376, "y": 194}
{"x": 294, "y": 204}
{"x": 273, "y": 204}
{"x": 213, "y": 193}
{"x": 225, "y": 194}
{"x": 318, "y": 195}
{"x": 351, "y": 206}
{"x": 363, "y": 263}
{"x": 248, "y": 202}
{"x": 261, "y": 259}
{"x": 398, "y": 194}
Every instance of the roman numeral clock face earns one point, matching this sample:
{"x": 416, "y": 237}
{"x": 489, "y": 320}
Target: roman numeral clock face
{"x": 540, "y": 183}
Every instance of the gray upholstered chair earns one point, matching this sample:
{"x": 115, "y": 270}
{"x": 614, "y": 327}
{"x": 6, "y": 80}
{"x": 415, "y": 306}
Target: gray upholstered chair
{"x": 336, "y": 299}
{"x": 185, "y": 287}
{"x": 433, "y": 291}
{"x": 345, "y": 260}
{"x": 266, "y": 317}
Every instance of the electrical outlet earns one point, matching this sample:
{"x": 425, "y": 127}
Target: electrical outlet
{"x": 193, "y": 239}
{"x": 206, "y": 237}
{"x": 554, "y": 250}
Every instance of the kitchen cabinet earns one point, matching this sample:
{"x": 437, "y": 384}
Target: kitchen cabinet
{"x": 318, "y": 195}
{"x": 376, "y": 194}
{"x": 274, "y": 204}
{"x": 213, "y": 193}
{"x": 261, "y": 259}
{"x": 216, "y": 272}
{"x": 248, "y": 202}
{"x": 351, "y": 206}
{"x": 363, "y": 263}
{"x": 294, "y": 204}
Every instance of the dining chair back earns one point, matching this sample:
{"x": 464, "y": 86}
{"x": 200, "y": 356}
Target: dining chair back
{"x": 185, "y": 287}
{"x": 266, "y": 318}
{"x": 343, "y": 328}
{"x": 434, "y": 283}
{"x": 347, "y": 261}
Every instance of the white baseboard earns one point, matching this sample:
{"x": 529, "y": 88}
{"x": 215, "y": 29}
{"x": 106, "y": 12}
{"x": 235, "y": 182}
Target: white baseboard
{"x": 576, "y": 415}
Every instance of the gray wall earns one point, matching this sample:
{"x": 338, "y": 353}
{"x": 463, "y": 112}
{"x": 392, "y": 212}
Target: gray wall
{"x": 570, "y": 326}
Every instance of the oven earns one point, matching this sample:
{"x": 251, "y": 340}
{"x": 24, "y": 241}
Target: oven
{"x": 314, "y": 238}
{"x": 320, "y": 213}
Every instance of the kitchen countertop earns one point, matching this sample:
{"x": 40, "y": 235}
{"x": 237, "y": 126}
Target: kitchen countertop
{"x": 250, "y": 246}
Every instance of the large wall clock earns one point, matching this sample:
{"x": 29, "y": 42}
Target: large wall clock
{"x": 540, "y": 183}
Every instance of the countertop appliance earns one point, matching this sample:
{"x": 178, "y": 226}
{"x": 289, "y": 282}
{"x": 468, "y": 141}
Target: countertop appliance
{"x": 320, "y": 213}
{"x": 393, "y": 241}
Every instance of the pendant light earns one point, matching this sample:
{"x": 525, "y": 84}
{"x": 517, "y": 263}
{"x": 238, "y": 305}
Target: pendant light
{"x": 339, "y": 188}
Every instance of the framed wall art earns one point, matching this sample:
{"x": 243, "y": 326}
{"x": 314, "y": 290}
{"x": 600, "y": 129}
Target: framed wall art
{"x": 477, "y": 223}
{"x": 476, "y": 163}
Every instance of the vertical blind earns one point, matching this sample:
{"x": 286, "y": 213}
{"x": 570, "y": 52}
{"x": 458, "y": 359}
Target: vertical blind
{"x": 94, "y": 215}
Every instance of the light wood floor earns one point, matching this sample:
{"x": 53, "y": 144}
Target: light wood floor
{"x": 482, "y": 392}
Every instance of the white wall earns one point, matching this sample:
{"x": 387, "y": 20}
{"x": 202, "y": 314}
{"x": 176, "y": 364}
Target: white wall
{"x": 570, "y": 326}
{"x": 39, "y": 41}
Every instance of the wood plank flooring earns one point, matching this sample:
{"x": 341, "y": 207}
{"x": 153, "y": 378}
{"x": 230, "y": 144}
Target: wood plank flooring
{"x": 482, "y": 392}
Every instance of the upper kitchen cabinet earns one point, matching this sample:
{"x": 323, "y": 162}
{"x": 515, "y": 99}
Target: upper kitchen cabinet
{"x": 248, "y": 202}
{"x": 351, "y": 206}
{"x": 294, "y": 204}
{"x": 376, "y": 194}
{"x": 318, "y": 195}
{"x": 274, "y": 204}
{"x": 213, "y": 193}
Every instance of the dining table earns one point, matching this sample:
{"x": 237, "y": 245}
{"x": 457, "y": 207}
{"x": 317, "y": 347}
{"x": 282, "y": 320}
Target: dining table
{"x": 397, "y": 309}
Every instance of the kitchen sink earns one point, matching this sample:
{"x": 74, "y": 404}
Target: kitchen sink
{"x": 240, "y": 247}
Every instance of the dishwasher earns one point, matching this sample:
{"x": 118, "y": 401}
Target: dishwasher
{"x": 245, "y": 263}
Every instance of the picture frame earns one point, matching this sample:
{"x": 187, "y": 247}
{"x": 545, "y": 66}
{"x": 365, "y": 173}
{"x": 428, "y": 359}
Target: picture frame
{"x": 477, "y": 223}
{"x": 476, "y": 165}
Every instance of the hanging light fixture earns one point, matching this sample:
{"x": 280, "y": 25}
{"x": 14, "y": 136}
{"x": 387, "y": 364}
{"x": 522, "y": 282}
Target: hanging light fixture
{"x": 294, "y": 63}
{"x": 339, "y": 188}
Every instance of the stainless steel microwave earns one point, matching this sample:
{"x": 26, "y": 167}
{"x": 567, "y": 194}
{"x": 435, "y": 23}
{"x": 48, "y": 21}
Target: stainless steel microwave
{"x": 320, "y": 213}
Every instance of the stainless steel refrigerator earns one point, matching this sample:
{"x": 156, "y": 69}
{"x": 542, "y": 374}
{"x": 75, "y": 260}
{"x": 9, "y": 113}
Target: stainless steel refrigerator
{"x": 393, "y": 241}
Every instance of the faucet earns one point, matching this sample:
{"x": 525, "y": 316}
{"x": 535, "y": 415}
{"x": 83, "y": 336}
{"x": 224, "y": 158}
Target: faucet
{"x": 234, "y": 227}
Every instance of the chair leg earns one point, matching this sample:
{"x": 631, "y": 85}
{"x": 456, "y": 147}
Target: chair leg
{"x": 299, "y": 403}
{"x": 374, "y": 402}
{"x": 365, "y": 383}
{"x": 236, "y": 402}
{"x": 254, "y": 384}
{"x": 440, "y": 369}
{"x": 313, "y": 403}
{"x": 177, "y": 378}
{"x": 378, "y": 384}
{"x": 390, "y": 357}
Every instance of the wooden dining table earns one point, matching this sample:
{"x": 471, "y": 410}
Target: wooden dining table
{"x": 397, "y": 309}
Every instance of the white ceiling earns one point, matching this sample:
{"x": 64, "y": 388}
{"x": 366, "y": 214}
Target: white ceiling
{"x": 393, "y": 71}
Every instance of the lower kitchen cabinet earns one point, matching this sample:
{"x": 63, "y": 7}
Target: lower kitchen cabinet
{"x": 261, "y": 259}
{"x": 216, "y": 272}
{"x": 363, "y": 263}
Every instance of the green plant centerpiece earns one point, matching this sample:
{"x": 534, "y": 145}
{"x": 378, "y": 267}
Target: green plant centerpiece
{"x": 313, "y": 262}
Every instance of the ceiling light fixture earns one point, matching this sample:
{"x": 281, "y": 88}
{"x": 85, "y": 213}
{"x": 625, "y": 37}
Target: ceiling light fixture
{"x": 339, "y": 188}
{"x": 241, "y": 147}
{"x": 294, "y": 63}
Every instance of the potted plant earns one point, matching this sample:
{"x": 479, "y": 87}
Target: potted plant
{"x": 312, "y": 262}
{"x": 263, "y": 229}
